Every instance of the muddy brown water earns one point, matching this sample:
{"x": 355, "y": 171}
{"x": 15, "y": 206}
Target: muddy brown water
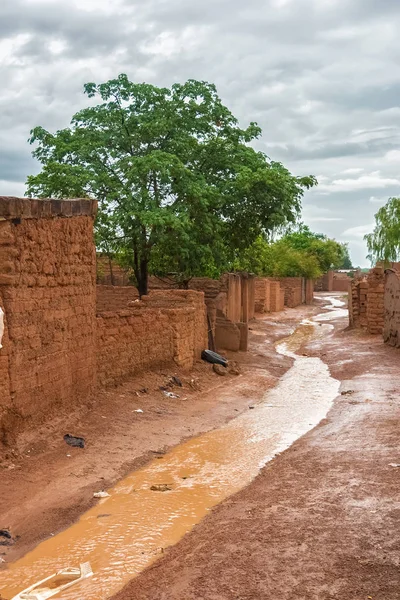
{"x": 127, "y": 531}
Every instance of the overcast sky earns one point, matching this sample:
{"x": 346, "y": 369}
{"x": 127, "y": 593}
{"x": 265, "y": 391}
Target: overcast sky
{"x": 321, "y": 77}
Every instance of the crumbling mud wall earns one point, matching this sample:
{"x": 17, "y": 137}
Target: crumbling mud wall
{"x": 358, "y": 297}
{"x": 5, "y": 394}
{"x": 309, "y": 291}
{"x": 391, "y": 329}
{"x": 262, "y": 295}
{"x": 47, "y": 286}
{"x": 324, "y": 283}
{"x": 114, "y": 298}
{"x": 375, "y": 300}
{"x": 341, "y": 282}
{"x": 164, "y": 327}
{"x": 275, "y": 296}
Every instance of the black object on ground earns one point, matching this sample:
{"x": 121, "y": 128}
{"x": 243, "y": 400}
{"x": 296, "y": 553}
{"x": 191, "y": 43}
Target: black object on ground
{"x": 76, "y": 442}
{"x": 214, "y": 358}
{"x": 6, "y": 538}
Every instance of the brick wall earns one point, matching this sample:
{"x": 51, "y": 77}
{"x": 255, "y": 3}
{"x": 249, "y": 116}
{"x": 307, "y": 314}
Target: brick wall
{"x": 114, "y": 298}
{"x": 375, "y": 300}
{"x": 324, "y": 283}
{"x": 5, "y": 397}
{"x": 341, "y": 282}
{"x": 309, "y": 285}
{"x": 292, "y": 287}
{"x": 164, "y": 327}
{"x": 47, "y": 284}
{"x": 391, "y": 330}
{"x": 262, "y": 294}
{"x": 358, "y": 302}
{"x": 275, "y": 296}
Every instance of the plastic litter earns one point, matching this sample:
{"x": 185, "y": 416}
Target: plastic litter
{"x": 161, "y": 487}
{"x": 138, "y": 410}
{"x": 394, "y": 465}
{"x": 56, "y": 583}
{"x": 101, "y": 495}
{"x": 170, "y": 394}
{"x": 76, "y": 442}
{"x": 214, "y": 358}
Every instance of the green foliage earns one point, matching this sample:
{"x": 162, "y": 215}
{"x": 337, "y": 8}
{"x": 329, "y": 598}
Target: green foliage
{"x": 384, "y": 242}
{"x": 300, "y": 253}
{"x": 346, "y": 262}
{"x": 179, "y": 186}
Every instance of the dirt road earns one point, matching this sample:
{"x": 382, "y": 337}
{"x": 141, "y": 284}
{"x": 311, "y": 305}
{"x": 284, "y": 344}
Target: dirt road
{"x": 322, "y": 520}
{"x": 46, "y": 485}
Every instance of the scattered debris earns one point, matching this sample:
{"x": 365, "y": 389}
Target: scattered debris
{"x": 161, "y": 487}
{"x": 138, "y": 410}
{"x": 104, "y": 515}
{"x": 6, "y": 539}
{"x": 101, "y": 495}
{"x": 214, "y": 358}
{"x": 251, "y": 407}
{"x": 144, "y": 391}
{"x": 177, "y": 381}
{"x": 395, "y": 465}
{"x": 347, "y": 393}
{"x": 2, "y": 561}
{"x": 68, "y": 577}
{"x": 219, "y": 369}
{"x": 76, "y": 442}
{"x": 170, "y": 394}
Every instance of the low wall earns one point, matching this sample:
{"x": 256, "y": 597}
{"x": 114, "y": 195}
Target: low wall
{"x": 110, "y": 298}
{"x": 375, "y": 300}
{"x": 275, "y": 296}
{"x": 324, "y": 283}
{"x": 293, "y": 290}
{"x": 165, "y": 327}
{"x": 309, "y": 291}
{"x": 109, "y": 272}
{"x": 262, "y": 290}
{"x": 391, "y": 329}
{"x": 341, "y": 284}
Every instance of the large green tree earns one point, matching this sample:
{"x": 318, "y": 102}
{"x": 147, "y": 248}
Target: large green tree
{"x": 384, "y": 242}
{"x": 178, "y": 184}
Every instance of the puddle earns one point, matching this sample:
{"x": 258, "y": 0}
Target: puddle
{"x": 126, "y": 532}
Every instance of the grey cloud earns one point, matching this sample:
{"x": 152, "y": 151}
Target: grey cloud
{"x": 322, "y": 79}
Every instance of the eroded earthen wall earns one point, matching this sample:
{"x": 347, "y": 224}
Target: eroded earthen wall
{"x": 114, "y": 298}
{"x": 391, "y": 330}
{"x": 47, "y": 284}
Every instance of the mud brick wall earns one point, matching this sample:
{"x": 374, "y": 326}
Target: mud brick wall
{"x": 47, "y": 285}
{"x": 262, "y": 294}
{"x": 375, "y": 300}
{"x": 292, "y": 287}
{"x": 309, "y": 291}
{"x": 175, "y": 299}
{"x": 341, "y": 282}
{"x": 275, "y": 296}
{"x": 5, "y": 396}
{"x": 391, "y": 330}
{"x": 324, "y": 283}
{"x": 358, "y": 298}
{"x": 113, "y": 298}
{"x": 145, "y": 337}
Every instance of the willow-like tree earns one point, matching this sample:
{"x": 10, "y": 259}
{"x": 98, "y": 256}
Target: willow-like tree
{"x": 176, "y": 179}
{"x": 384, "y": 242}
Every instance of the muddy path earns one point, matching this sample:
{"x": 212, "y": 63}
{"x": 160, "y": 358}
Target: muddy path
{"x": 125, "y": 532}
{"x": 322, "y": 520}
{"x": 46, "y": 485}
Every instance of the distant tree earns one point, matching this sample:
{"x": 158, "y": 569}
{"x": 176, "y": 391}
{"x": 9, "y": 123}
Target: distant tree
{"x": 179, "y": 186}
{"x": 346, "y": 262}
{"x": 384, "y": 242}
{"x": 299, "y": 253}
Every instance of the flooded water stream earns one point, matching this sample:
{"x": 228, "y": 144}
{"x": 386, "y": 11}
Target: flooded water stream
{"x": 125, "y": 532}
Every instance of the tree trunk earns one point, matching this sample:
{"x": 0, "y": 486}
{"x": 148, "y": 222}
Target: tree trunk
{"x": 143, "y": 278}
